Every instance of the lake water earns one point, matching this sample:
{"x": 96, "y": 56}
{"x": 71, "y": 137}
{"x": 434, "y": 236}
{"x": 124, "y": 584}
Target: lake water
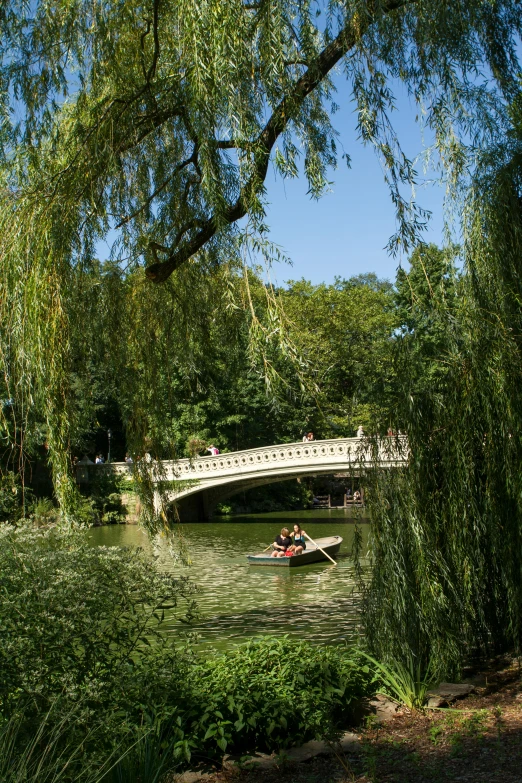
{"x": 237, "y": 601}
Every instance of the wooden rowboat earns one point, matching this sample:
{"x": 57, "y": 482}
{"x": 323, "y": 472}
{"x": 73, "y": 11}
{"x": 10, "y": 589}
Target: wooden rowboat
{"x": 312, "y": 554}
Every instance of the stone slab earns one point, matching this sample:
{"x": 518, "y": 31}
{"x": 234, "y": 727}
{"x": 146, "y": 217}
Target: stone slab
{"x": 434, "y": 702}
{"x": 191, "y": 777}
{"x": 449, "y": 691}
{"x": 477, "y": 680}
{"x": 382, "y": 708}
{"x": 304, "y": 753}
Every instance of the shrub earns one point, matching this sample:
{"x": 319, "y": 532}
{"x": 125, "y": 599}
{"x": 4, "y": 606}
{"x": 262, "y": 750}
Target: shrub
{"x": 271, "y": 693}
{"x": 84, "y": 624}
{"x": 105, "y": 498}
{"x": 44, "y": 512}
{"x": 10, "y": 497}
{"x": 81, "y": 635}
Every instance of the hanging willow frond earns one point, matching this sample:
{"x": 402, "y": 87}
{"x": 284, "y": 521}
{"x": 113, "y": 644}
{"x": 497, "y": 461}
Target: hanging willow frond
{"x": 160, "y": 118}
{"x": 447, "y": 530}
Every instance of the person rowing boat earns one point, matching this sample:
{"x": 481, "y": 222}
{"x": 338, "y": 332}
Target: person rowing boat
{"x": 321, "y": 549}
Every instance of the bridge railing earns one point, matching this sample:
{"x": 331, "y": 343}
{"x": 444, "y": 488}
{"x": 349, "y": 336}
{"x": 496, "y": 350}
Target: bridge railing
{"x": 334, "y": 452}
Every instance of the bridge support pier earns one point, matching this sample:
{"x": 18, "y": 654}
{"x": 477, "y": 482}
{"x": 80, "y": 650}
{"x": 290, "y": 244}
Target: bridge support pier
{"x": 195, "y": 508}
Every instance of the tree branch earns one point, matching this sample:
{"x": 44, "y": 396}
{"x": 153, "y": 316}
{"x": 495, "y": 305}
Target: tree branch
{"x": 149, "y": 73}
{"x": 226, "y": 144}
{"x": 142, "y": 46}
{"x": 282, "y": 115}
{"x": 147, "y": 125}
{"x": 158, "y": 190}
{"x": 194, "y": 223}
{"x": 155, "y": 57}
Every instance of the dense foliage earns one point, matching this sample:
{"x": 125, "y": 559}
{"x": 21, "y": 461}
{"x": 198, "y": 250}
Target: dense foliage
{"x": 275, "y": 693}
{"x": 341, "y": 332}
{"x": 77, "y": 621}
{"x": 447, "y": 532}
{"x": 152, "y": 126}
{"x": 344, "y": 332}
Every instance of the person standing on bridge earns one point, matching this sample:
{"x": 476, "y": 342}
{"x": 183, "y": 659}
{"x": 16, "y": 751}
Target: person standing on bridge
{"x": 213, "y": 450}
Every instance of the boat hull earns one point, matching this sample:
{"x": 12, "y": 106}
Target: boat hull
{"x": 331, "y": 545}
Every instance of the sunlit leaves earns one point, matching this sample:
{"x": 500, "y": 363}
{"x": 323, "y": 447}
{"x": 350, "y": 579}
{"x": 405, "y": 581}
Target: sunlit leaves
{"x": 152, "y": 124}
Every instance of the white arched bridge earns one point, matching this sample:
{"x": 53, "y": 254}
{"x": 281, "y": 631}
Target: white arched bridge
{"x": 198, "y": 485}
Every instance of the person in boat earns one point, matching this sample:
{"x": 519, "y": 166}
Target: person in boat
{"x": 282, "y": 543}
{"x": 298, "y": 536}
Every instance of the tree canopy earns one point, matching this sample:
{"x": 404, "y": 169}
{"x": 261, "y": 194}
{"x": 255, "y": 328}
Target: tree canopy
{"x": 447, "y": 532}
{"x": 160, "y": 119}
{"x": 152, "y": 125}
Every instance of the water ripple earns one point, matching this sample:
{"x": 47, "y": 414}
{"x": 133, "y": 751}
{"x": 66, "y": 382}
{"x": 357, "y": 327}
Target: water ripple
{"x": 237, "y": 601}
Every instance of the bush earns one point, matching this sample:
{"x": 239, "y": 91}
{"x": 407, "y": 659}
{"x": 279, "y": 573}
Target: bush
{"x": 83, "y": 624}
{"x": 10, "y": 497}
{"x": 105, "y": 499}
{"x": 44, "y": 512}
{"x": 272, "y": 693}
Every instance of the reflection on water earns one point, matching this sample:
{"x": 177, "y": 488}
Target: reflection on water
{"x": 237, "y": 601}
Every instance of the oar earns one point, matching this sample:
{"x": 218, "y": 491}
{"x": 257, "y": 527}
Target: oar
{"x": 319, "y": 548}
{"x": 268, "y": 547}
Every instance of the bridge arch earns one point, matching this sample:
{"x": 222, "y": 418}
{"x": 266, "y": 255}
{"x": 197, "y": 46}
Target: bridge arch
{"x": 206, "y": 481}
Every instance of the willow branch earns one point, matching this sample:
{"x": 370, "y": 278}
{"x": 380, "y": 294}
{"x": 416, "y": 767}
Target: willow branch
{"x": 155, "y": 57}
{"x": 226, "y": 144}
{"x": 287, "y": 109}
{"x": 159, "y": 189}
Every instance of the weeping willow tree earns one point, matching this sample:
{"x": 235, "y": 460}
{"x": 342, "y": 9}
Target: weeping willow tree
{"x": 447, "y": 536}
{"x": 152, "y": 126}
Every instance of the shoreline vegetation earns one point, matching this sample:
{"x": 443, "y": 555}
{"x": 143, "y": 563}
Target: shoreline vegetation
{"x": 82, "y": 637}
{"x": 109, "y": 500}
{"x": 84, "y": 664}
{"x": 478, "y": 738}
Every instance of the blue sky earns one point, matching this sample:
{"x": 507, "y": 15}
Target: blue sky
{"x": 345, "y": 232}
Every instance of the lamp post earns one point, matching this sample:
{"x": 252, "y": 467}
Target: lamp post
{"x": 109, "y": 435}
